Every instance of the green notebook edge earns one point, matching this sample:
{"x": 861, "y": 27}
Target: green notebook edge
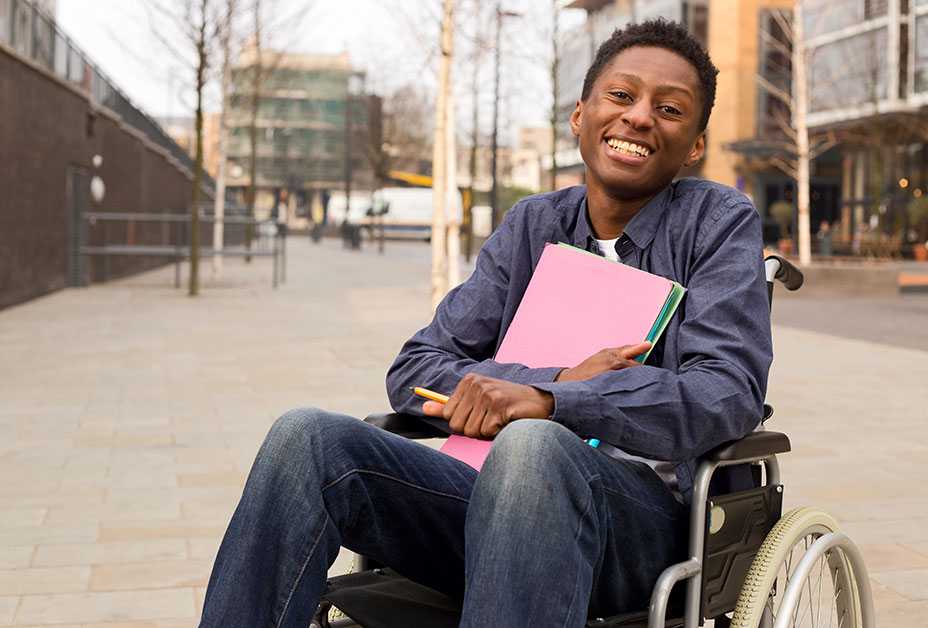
{"x": 667, "y": 311}
{"x": 663, "y": 319}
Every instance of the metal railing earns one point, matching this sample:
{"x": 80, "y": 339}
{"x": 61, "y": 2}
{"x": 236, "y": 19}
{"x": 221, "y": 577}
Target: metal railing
{"x": 176, "y": 240}
{"x": 34, "y": 35}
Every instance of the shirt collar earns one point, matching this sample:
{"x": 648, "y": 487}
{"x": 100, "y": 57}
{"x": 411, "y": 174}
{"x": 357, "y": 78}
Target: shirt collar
{"x": 640, "y": 230}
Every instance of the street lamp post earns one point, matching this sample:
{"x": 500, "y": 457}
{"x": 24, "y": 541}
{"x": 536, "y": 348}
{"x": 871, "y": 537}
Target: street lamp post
{"x": 494, "y": 190}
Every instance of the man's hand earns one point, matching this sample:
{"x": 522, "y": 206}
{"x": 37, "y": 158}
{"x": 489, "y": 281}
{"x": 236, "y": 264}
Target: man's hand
{"x": 606, "y": 360}
{"x": 481, "y": 406}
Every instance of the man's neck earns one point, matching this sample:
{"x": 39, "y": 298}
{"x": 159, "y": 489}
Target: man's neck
{"x": 610, "y": 215}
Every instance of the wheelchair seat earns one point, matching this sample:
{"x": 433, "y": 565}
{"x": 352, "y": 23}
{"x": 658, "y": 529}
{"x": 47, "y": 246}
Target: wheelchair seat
{"x": 381, "y": 598}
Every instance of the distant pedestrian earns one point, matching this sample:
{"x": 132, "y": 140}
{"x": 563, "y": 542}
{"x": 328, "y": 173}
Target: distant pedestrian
{"x": 824, "y": 239}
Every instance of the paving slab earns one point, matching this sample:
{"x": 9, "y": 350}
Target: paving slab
{"x": 131, "y": 414}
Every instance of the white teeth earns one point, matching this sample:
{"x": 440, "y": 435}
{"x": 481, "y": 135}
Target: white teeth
{"x": 628, "y": 147}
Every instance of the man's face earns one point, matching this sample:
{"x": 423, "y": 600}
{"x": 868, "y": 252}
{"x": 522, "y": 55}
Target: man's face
{"x": 640, "y": 123}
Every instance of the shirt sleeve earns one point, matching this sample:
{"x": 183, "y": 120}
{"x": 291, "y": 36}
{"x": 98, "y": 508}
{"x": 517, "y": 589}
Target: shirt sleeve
{"x": 724, "y": 350}
{"x": 462, "y": 336}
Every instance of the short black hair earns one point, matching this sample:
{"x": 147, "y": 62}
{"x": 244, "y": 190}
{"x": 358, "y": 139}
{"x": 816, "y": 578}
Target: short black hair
{"x": 659, "y": 33}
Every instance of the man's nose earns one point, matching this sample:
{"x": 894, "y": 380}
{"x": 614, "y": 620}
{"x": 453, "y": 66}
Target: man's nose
{"x": 639, "y": 115}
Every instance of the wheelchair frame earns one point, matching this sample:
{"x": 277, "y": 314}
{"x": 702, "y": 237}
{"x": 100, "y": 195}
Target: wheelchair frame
{"x": 757, "y": 448}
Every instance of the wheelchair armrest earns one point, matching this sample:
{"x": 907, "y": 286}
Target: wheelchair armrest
{"x": 408, "y": 425}
{"x": 754, "y": 446}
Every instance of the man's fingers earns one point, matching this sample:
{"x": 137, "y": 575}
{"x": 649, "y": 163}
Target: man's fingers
{"x": 630, "y": 352}
{"x": 433, "y": 408}
{"x": 475, "y": 421}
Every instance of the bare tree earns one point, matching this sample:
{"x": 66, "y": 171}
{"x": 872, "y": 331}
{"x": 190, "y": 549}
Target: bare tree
{"x": 440, "y": 165}
{"x": 225, "y": 81}
{"x": 555, "y": 68}
{"x": 794, "y": 147}
{"x": 199, "y": 23}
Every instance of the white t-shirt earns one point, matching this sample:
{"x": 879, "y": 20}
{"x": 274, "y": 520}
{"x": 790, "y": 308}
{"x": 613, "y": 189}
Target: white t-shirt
{"x": 664, "y": 469}
{"x": 608, "y": 249}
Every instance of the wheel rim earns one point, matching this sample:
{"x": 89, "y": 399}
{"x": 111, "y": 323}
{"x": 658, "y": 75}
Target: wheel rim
{"x": 826, "y": 594}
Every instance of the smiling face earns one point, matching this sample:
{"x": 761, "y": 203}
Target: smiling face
{"x": 640, "y": 123}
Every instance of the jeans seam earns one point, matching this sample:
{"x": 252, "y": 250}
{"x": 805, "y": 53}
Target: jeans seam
{"x": 577, "y": 536}
{"x": 397, "y": 480}
{"x": 299, "y": 575}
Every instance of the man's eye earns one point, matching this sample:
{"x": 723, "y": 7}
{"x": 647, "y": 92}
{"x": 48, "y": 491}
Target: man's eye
{"x": 671, "y": 110}
{"x": 621, "y": 95}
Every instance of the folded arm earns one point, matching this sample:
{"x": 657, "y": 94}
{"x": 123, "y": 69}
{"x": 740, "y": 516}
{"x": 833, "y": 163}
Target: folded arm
{"x": 463, "y": 334}
{"x": 724, "y": 352}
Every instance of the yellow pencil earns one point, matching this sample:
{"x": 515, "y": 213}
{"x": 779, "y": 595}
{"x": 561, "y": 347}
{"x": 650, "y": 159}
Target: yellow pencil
{"x": 430, "y": 395}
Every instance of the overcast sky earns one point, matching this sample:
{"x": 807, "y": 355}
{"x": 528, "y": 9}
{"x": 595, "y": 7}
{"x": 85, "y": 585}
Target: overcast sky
{"x": 394, "y": 40}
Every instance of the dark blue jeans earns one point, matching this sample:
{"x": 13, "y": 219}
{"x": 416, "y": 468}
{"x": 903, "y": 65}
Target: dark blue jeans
{"x": 549, "y": 531}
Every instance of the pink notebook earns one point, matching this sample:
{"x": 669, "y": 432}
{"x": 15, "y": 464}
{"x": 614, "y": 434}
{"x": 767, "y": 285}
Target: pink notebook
{"x": 576, "y": 304}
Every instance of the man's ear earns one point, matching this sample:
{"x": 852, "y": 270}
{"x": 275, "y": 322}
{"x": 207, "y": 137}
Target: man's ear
{"x": 698, "y": 150}
{"x": 575, "y": 119}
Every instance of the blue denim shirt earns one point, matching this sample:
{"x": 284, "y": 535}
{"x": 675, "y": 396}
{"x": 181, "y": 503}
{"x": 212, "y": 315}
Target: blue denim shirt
{"x": 705, "y": 380}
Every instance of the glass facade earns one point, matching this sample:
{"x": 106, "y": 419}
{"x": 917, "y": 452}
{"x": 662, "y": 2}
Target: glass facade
{"x": 301, "y": 129}
{"x": 921, "y": 54}
{"x": 848, "y": 72}
{"x": 827, "y": 16}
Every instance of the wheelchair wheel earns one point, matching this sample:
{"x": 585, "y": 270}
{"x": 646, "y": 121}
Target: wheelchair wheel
{"x": 829, "y": 593}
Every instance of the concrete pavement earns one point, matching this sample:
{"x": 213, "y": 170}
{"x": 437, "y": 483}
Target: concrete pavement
{"x": 130, "y": 414}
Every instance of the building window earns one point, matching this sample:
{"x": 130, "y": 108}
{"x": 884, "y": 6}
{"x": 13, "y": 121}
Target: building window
{"x": 921, "y": 54}
{"x": 828, "y": 16}
{"x": 775, "y": 65}
{"x": 5, "y": 9}
{"x": 849, "y": 72}
{"x": 875, "y": 8}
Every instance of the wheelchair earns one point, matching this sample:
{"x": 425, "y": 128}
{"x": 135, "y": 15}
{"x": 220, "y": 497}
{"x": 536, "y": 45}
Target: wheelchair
{"x": 749, "y": 565}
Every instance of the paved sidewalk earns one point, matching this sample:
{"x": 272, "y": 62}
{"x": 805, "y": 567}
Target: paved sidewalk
{"x": 130, "y": 414}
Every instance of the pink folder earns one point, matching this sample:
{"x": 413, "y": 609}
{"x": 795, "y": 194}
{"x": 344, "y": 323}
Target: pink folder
{"x": 576, "y": 304}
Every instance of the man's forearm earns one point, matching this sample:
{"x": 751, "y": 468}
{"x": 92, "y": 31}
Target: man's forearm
{"x": 442, "y": 372}
{"x": 658, "y": 414}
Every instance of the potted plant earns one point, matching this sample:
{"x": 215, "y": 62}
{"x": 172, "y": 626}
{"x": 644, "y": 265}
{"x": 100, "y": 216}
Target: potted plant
{"x": 782, "y": 212}
{"x": 918, "y": 222}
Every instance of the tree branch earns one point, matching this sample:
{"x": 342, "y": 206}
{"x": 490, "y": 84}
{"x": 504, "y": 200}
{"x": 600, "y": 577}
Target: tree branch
{"x": 780, "y": 94}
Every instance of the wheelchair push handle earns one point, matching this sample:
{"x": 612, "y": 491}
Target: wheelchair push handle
{"x": 780, "y": 268}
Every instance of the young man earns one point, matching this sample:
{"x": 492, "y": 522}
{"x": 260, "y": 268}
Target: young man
{"x": 551, "y": 530}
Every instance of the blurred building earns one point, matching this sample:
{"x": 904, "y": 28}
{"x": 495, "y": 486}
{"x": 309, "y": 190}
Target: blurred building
{"x": 532, "y": 147}
{"x": 868, "y": 86}
{"x": 867, "y": 69}
{"x": 484, "y": 159}
{"x": 181, "y": 129}
{"x": 310, "y": 107}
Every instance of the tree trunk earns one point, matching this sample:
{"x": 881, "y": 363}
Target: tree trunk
{"x": 800, "y": 106}
{"x": 439, "y": 159}
{"x": 555, "y": 63}
{"x": 475, "y": 139}
{"x": 452, "y": 197}
{"x": 253, "y": 129}
{"x": 198, "y": 165}
{"x": 219, "y": 206}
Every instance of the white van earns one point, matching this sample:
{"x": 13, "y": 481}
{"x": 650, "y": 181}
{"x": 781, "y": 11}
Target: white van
{"x": 408, "y": 215}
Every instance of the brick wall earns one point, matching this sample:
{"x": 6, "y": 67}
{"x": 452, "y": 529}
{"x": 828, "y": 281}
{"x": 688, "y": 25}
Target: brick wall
{"x": 47, "y": 129}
